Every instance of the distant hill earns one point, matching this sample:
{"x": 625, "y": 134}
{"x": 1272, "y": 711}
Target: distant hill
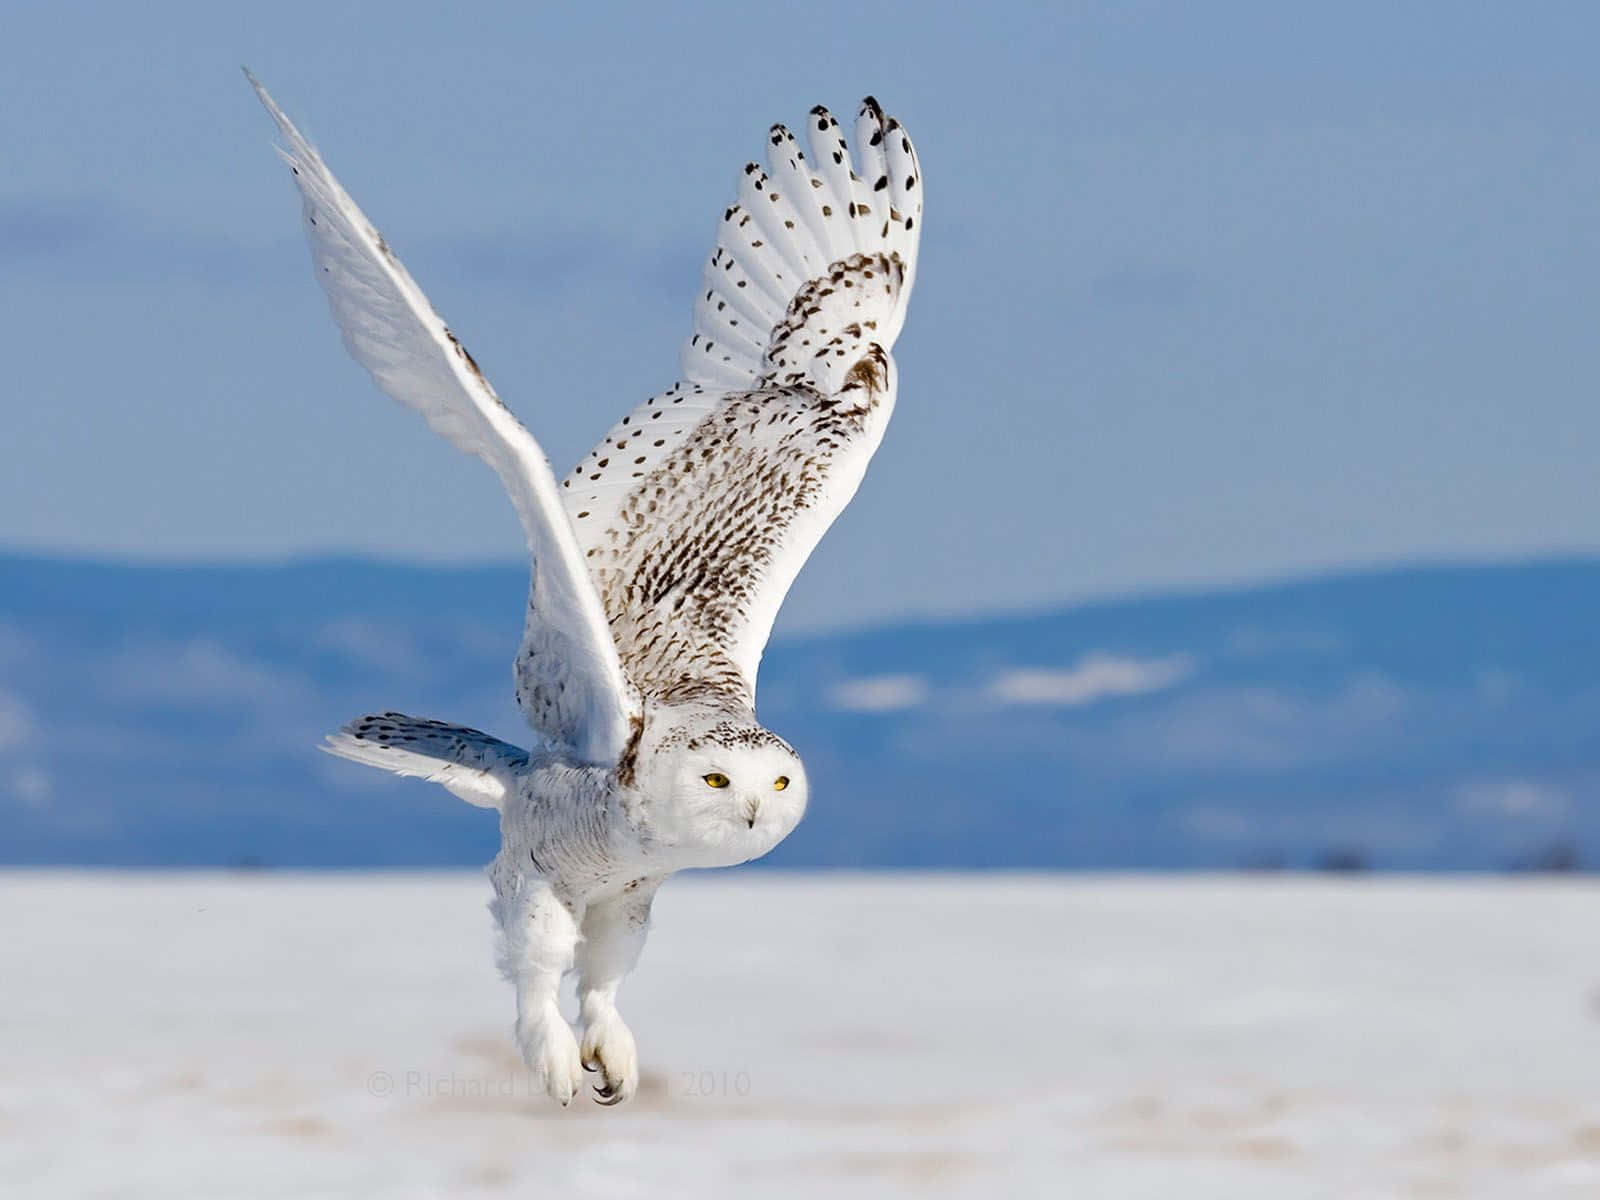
{"x": 1428, "y": 717}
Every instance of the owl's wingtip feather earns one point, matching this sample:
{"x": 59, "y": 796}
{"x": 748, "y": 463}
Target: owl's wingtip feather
{"x": 796, "y": 222}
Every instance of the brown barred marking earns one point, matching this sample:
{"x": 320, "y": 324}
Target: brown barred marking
{"x": 833, "y": 318}
{"x": 628, "y": 763}
{"x": 871, "y": 372}
{"x": 697, "y": 535}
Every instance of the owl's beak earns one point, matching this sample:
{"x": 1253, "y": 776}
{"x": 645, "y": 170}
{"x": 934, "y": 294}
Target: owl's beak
{"x": 750, "y": 808}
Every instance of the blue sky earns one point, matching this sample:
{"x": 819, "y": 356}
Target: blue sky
{"x": 1209, "y": 292}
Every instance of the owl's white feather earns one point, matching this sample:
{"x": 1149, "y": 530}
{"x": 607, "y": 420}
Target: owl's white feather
{"x": 658, "y": 565}
{"x": 569, "y": 680}
{"x": 482, "y": 770}
{"x": 698, "y": 509}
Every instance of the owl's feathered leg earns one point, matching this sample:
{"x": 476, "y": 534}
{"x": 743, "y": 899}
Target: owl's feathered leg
{"x": 614, "y": 932}
{"x": 541, "y": 934}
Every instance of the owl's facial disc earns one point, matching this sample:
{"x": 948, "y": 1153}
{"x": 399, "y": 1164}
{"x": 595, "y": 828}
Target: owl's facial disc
{"x": 731, "y": 794}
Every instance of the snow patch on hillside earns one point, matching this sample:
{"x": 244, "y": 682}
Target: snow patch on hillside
{"x": 879, "y": 693}
{"x": 1095, "y": 677}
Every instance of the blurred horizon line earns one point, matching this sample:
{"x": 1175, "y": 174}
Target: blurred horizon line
{"x": 1089, "y": 599}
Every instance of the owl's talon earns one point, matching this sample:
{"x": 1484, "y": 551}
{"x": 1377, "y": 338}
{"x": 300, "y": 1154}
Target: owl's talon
{"x": 608, "y": 1048}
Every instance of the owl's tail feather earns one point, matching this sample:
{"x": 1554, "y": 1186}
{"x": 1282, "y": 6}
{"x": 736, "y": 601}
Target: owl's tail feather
{"x": 482, "y": 770}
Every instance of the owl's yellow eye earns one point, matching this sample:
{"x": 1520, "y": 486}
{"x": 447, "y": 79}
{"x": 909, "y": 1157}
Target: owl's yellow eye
{"x": 781, "y": 782}
{"x": 716, "y": 779}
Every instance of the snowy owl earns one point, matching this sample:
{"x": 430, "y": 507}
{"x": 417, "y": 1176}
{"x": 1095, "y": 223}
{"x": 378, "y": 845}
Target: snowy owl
{"x": 658, "y": 564}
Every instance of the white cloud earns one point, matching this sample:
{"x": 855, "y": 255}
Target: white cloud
{"x": 1526, "y": 799}
{"x": 879, "y": 693}
{"x": 1095, "y": 677}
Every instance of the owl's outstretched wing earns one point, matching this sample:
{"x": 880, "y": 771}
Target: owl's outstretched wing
{"x": 699, "y": 508}
{"x": 570, "y": 682}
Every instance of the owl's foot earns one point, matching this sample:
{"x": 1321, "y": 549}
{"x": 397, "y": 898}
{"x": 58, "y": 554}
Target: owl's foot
{"x": 551, "y": 1053}
{"x": 608, "y": 1048}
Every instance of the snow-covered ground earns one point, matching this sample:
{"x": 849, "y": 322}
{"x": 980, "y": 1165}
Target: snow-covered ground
{"x": 1103, "y": 1038}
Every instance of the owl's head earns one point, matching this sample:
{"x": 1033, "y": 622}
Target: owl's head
{"x": 724, "y": 790}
